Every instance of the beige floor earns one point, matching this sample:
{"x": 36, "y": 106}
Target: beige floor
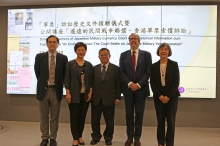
{"x": 28, "y": 134}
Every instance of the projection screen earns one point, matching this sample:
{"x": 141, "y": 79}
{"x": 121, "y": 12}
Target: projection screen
{"x": 190, "y": 30}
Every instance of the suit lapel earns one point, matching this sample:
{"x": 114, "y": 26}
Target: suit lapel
{"x": 167, "y": 68}
{"x": 107, "y": 71}
{"x": 79, "y": 71}
{"x": 129, "y": 58}
{"x": 139, "y": 59}
{"x": 99, "y": 73}
{"x": 46, "y": 62}
{"x": 157, "y": 70}
{"x": 58, "y": 61}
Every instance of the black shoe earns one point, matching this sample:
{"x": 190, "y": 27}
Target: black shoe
{"x": 128, "y": 142}
{"x": 108, "y": 142}
{"x": 75, "y": 144}
{"x": 81, "y": 143}
{"x": 44, "y": 142}
{"x": 137, "y": 143}
{"x": 93, "y": 142}
{"x": 53, "y": 142}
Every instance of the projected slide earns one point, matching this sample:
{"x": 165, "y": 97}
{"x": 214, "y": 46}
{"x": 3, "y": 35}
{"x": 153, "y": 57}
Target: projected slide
{"x": 190, "y": 31}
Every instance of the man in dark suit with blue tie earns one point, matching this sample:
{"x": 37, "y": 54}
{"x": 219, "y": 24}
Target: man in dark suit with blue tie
{"x": 106, "y": 94}
{"x": 134, "y": 73}
{"x": 49, "y": 69}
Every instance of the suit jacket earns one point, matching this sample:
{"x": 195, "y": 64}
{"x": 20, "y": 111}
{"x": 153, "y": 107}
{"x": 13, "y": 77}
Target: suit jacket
{"x": 172, "y": 79}
{"x": 73, "y": 80}
{"x": 109, "y": 89}
{"x": 41, "y": 68}
{"x": 142, "y": 73}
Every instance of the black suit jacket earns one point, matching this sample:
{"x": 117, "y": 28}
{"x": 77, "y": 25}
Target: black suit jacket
{"x": 109, "y": 89}
{"x": 142, "y": 73}
{"x": 41, "y": 68}
{"x": 172, "y": 79}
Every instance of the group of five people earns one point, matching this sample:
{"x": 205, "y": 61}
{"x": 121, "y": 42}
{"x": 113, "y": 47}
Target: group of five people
{"x": 102, "y": 85}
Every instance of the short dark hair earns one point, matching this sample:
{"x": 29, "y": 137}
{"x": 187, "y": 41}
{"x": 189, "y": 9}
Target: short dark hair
{"x": 163, "y": 45}
{"x": 51, "y": 37}
{"x": 102, "y": 49}
{"x": 80, "y": 44}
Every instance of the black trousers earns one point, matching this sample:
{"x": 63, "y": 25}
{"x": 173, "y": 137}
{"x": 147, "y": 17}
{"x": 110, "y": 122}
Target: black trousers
{"x": 134, "y": 109}
{"x": 78, "y": 113}
{"x": 166, "y": 112}
{"x": 109, "y": 115}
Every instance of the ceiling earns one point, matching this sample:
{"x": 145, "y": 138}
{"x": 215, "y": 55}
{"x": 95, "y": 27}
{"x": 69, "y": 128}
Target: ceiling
{"x": 56, "y": 2}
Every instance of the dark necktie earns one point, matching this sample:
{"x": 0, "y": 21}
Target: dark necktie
{"x": 103, "y": 72}
{"x": 133, "y": 62}
{"x": 52, "y": 70}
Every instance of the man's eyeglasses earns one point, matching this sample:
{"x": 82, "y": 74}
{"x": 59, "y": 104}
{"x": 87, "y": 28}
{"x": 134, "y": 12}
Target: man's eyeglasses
{"x": 52, "y": 42}
{"x": 103, "y": 55}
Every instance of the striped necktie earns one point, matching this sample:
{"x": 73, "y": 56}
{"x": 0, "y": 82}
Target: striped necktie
{"x": 52, "y": 70}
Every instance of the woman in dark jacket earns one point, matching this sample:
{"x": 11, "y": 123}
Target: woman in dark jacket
{"x": 164, "y": 82}
{"x": 78, "y": 84}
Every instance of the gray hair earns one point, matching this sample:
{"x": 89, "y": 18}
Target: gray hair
{"x": 163, "y": 45}
{"x": 135, "y": 35}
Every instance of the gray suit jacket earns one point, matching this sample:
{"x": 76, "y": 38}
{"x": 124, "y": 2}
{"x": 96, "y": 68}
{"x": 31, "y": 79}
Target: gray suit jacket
{"x": 73, "y": 79}
{"x": 109, "y": 89}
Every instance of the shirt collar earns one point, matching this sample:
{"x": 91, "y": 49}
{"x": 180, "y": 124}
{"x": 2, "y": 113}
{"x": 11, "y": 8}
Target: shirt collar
{"x": 136, "y": 51}
{"x": 106, "y": 65}
{"x": 49, "y": 54}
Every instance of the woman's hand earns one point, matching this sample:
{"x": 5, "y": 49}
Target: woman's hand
{"x": 164, "y": 99}
{"x": 89, "y": 96}
{"x": 161, "y": 98}
{"x": 68, "y": 96}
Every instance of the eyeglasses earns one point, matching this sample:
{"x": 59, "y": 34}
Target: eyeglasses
{"x": 52, "y": 42}
{"x": 104, "y": 55}
{"x": 135, "y": 39}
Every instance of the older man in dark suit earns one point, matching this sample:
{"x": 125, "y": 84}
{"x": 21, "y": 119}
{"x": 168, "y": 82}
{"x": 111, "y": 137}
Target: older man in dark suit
{"x": 50, "y": 70}
{"x": 135, "y": 72}
{"x": 106, "y": 94}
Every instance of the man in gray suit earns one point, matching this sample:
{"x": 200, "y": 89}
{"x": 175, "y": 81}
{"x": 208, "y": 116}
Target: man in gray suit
{"x": 106, "y": 94}
{"x": 49, "y": 69}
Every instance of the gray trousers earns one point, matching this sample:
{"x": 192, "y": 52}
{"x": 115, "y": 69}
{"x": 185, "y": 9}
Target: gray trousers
{"x": 49, "y": 114}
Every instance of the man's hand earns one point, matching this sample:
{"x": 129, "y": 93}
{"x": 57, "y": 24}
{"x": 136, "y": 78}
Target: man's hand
{"x": 134, "y": 87}
{"x": 116, "y": 101}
